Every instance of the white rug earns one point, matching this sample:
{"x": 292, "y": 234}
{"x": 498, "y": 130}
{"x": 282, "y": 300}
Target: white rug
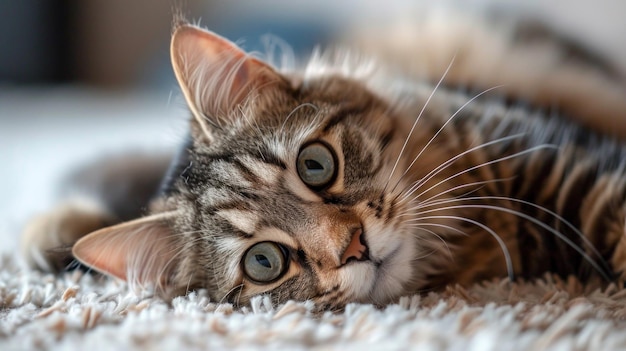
{"x": 83, "y": 312}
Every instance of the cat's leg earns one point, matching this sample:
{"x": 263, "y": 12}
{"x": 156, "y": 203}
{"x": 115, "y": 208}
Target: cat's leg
{"x": 47, "y": 239}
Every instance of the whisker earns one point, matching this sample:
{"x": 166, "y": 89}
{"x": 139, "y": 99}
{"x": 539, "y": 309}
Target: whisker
{"x": 439, "y": 225}
{"x": 444, "y": 125}
{"x": 189, "y": 282}
{"x": 239, "y": 286}
{"x": 505, "y": 250}
{"x": 238, "y": 300}
{"x": 425, "y": 255}
{"x": 517, "y": 154}
{"x": 558, "y": 234}
{"x": 560, "y": 218}
{"x": 466, "y": 185}
{"x": 479, "y": 185}
{"x": 438, "y": 237}
{"x": 451, "y": 160}
{"x": 406, "y": 141}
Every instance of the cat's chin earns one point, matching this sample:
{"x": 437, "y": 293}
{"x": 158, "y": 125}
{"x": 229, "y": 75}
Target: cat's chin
{"x": 391, "y": 272}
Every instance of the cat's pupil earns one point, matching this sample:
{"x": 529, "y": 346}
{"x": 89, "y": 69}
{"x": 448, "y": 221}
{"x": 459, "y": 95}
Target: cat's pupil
{"x": 263, "y": 261}
{"x": 313, "y": 165}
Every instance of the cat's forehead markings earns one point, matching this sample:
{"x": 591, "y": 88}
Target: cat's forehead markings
{"x": 242, "y": 220}
{"x": 217, "y": 198}
{"x": 248, "y": 222}
{"x": 267, "y": 173}
{"x": 225, "y": 170}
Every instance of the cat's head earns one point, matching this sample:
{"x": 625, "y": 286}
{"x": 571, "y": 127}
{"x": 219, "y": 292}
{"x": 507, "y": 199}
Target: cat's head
{"x": 287, "y": 188}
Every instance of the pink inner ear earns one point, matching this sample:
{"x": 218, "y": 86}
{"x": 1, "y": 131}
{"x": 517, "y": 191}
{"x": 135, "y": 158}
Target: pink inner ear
{"x": 98, "y": 252}
{"x": 214, "y": 74}
{"x": 190, "y": 39}
{"x": 138, "y": 251}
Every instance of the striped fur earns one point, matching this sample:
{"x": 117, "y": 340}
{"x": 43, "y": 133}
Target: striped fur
{"x": 448, "y": 186}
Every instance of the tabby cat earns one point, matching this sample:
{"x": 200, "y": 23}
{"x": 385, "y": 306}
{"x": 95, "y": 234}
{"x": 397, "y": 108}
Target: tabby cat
{"x": 355, "y": 181}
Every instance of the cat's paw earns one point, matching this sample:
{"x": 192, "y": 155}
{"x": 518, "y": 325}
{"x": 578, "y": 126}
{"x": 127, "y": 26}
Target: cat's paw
{"x": 47, "y": 239}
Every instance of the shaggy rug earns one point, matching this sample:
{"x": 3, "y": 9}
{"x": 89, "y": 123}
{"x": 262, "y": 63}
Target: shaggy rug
{"x": 43, "y": 133}
{"x": 77, "y": 311}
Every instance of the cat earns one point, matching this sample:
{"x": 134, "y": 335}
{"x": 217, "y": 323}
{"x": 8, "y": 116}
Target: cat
{"x": 353, "y": 181}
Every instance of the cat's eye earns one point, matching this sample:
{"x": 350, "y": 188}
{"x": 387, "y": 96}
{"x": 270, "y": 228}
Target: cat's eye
{"x": 265, "y": 262}
{"x": 317, "y": 165}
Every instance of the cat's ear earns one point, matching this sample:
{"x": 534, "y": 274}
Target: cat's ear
{"x": 141, "y": 251}
{"x": 215, "y": 75}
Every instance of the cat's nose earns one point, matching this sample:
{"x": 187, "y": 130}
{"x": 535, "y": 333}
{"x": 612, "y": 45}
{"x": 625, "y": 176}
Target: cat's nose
{"x": 357, "y": 250}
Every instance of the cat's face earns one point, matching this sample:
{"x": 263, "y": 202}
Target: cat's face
{"x": 291, "y": 197}
{"x": 291, "y": 187}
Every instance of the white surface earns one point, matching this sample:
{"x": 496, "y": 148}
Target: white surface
{"x": 44, "y": 133}
{"x": 82, "y": 312}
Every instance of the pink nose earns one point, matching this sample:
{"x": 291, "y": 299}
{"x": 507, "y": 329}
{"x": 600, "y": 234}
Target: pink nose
{"x": 357, "y": 250}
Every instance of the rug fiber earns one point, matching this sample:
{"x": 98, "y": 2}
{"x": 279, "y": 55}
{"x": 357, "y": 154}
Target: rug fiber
{"x": 82, "y": 311}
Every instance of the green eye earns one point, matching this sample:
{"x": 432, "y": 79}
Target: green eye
{"x": 265, "y": 262}
{"x": 317, "y": 166}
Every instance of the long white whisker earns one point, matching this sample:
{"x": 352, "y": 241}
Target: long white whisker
{"x": 576, "y": 231}
{"x": 406, "y": 141}
{"x": 412, "y": 209}
{"x": 425, "y": 255}
{"x": 505, "y": 250}
{"x": 440, "y": 239}
{"x": 444, "y": 125}
{"x": 558, "y": 234}
{"x": 451, "y": 160}
{"x": 466, "y": 185}
{"x": 439, "y": 225}
{"x": 517, "y": 154}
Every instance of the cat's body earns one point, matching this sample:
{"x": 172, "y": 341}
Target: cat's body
{"x": 340, "y": 188}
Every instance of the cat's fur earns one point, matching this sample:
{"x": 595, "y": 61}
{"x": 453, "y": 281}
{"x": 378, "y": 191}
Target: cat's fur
{"x": 434, "y": 185}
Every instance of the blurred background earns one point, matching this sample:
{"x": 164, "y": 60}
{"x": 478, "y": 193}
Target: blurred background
{"x": 84, "y": 78}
